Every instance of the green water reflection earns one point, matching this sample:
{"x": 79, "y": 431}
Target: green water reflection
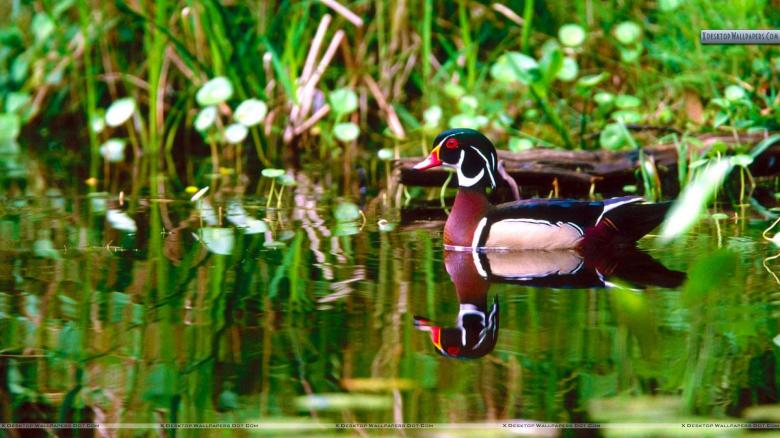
{"x": 166, "y": 311}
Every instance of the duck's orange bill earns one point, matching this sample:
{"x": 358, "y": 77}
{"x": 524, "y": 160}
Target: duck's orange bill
{"x": 433, "y": 160}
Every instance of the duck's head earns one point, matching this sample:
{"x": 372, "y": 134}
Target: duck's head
{"x": 475, "y": 335}
{"x": 467, "y": 151}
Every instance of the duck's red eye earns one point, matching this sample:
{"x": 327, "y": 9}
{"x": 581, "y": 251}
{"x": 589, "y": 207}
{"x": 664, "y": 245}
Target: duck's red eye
{"x": 451, "y": 143}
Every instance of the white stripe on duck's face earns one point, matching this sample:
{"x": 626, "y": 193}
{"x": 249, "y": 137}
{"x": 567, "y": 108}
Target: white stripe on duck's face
{"x": 531, "y": 234}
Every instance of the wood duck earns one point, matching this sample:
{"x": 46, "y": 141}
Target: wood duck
{"x": 547, "y": 224}
{"x": 476, "y": 327}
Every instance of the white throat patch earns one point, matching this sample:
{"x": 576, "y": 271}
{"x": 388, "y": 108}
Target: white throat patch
{"x": 464, "y": 180}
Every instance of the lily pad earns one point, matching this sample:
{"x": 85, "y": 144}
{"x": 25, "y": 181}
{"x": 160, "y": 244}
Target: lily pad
{"x": 669, "y": 5}
{"x": 569, "y": 70}
{"x": 612, "y": 137}
{"x": 625, "y": 101}
{"x": 627, "y": 117}
{"x": 198, "y": 193}
{"x": 206, "y": 118}
{"x": 467, "y": 121}
{"x": 343, "y": 101}
{"x": 217, "y": 240}
{"x": 454, "y": 90}
{"x": 591, "y": 80}
{"x": 628, "y": 32}
{"x": 10, "y": 127}
{"x": 42, "y": 26}
{"x": 468, "y": 104}
{"x": 734, "y": 93}
{"x": 98, "y": 124}
{"x": 113, "y": 150}
{"x": 346, "y": 131}
{"x": 119, "y": 220}
{"x": 571, "y": 35}
{"x": 272, "y": 173}
{"x": 346, "y": 212}
{"x": 385, "y": 154}
{"x": 15, "y": 101}
{"x": 250, "y": 112}
{"x": 603, "y": 98}
{"x": 514, "y": 67}
{"x": 236, "y": 133}
{"x": 214, "y": 92}
{"x": 120, "y": 111}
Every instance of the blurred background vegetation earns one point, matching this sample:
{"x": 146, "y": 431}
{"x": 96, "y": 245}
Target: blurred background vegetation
{"x": 227, "y": 87}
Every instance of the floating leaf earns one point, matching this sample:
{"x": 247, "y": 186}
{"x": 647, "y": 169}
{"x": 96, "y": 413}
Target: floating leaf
{"x": 45, "y": 248}
{"x": 603, "y": 98}
{"x": 625, "y": 101}
{"x": 198, "y": 193}
{"x": 734, "y": 93}
{"x": 467, "y": 121}
{"x": 668, "y": 5}
{"x": 214, "y": 92}
{"x": 591, "y": 80}
{"x": 239, "y": 217}
{"x": 468, "y": 104}
{"x": 228, "y": 400}
{"x": 236, "y": 133}
{"x": 517, "y": 144}
{"x": 120, "y": 111}
{"x": 742, "y": 160}
{"x": 98, "y": 124}
{"x": 385, "y": 154}
{"x": 42, "y": 26}
{"x": 569, "y": 70}
{"x": 14, "y": 101}
{"x": 119, "y": 220}
{"x": 287, "y": 180}
{"x": 217, "y": 240}
{"x": 630, "y": 54}
{"x": 385, "y": 226}
{"x": 10, "y": 126}
{"x": 250, "y": 112}
{"x": 514, "y": 67}
{"x": 453, "y": 90}
{"x": 113, "y": 150}
{"x": 272, "y": 173}
{"x": 343, "y": 101}
{"x": 572, "y": 35}
{"x": 340, "y": 402}
{"x": 627, "y": 117}
{"x": 432, "y": 116}
{"x": 613, "y": 137}
{"x": 346, "y": 212}
{"x": 206, "y": 118}
{"x": 346, "y": 131}
{"x": 719, "y": 216}
{"x": 628, "y": 32}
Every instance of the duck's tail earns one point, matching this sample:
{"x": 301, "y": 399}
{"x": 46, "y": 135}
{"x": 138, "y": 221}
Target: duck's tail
{"x": 626, "y": 223}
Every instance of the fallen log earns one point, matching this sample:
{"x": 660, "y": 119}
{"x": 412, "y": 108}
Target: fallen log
{"x": 576, "y": 173}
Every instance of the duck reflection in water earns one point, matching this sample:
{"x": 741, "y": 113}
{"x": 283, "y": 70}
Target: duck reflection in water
{"x": 476, "y": 327}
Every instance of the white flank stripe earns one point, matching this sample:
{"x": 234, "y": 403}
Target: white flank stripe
{"x": 478, "y": 233}
{"x": 616, "y": 205}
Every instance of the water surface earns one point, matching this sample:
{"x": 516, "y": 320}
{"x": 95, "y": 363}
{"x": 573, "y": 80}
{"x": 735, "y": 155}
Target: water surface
{"x": 165, "y": 310}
